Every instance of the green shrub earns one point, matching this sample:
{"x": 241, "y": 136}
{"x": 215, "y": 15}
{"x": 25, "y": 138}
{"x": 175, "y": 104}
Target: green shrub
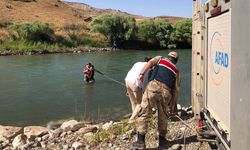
{"x": 5, "y": 23}
{"x": 112, "y": 132}
{"x": 27, "y": 46}
{"x": 115, "y": 27}
{"x": 75, "y": 40}
{"x": 33, "y": 32}
{"x": 183, "y": 33}
{"x": 156, "y": 33}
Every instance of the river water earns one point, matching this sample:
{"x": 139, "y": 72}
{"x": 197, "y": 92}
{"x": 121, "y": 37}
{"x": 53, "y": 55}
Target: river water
{"x": 37, "y": 89}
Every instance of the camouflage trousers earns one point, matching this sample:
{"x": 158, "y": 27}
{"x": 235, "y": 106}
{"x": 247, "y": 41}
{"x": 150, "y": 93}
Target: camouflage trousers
{"x": 134, "y": 93}
{"x": 156, "y": 94}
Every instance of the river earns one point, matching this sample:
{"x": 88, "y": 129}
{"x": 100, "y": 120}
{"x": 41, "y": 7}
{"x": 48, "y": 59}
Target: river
{"x": 37, "y": 89}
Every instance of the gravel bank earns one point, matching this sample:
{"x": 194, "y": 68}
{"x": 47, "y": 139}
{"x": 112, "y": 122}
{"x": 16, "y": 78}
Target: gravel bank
{"x": 73, "y": 135}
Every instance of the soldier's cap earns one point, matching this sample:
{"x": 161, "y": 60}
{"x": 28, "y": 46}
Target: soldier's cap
{"x": 173, "y": 54}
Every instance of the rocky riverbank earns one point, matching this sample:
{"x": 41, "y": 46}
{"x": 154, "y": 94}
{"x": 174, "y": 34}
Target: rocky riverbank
{"x": 73, "y": 135}
{"x": 68, "y": 50}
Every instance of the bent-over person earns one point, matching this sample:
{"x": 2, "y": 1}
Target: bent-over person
{"x": 162, "y": 91}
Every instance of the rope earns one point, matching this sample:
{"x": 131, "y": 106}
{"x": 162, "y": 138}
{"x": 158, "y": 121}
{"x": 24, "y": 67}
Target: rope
{"x": 110, "y": 78}
{"x": 184, "y": 123}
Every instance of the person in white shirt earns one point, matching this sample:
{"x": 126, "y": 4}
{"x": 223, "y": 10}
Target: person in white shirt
{"x": 134, "y": 86}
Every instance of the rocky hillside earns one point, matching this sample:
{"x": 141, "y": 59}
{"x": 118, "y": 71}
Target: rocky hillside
{"x": 57, "y": 12}
{"x": 50, "y": 11}
{"x": 94, "y": 12}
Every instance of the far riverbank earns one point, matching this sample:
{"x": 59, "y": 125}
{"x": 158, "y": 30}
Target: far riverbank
{"x": 66, "y": 50}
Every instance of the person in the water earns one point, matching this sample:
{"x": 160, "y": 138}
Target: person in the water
{"x": 89, "y": 72}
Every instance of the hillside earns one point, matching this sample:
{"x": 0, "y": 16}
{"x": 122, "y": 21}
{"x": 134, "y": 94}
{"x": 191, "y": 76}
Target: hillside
{"x": 94, "y": 12}
{"x": 70, "y": 23}
{"x": 58, "y": 12}
{"x": 51, "y": 11}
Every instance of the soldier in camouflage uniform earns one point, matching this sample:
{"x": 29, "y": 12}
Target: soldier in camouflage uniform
{"x": 162, "y": 91}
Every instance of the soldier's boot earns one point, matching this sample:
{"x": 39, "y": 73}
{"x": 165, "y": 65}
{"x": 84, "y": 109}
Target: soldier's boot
{"x": 140, "y": 142}
{"x": 162, "y": 142}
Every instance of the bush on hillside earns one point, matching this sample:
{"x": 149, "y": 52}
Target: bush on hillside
{"x": 115, "y": 27}
{"x": 157, "y": 33}
{"x": 5, "y": 23}
{"x": 183, "y": 33}
{"x": 32, "y": 32}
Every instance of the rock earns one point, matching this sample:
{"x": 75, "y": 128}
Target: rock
{"x": 110, "y": 145}
{"x": 132, "y": 132}
{"x": 32, "y": 132}
{"x": 125, "y": 137}
{"x": 72, "y": 125}
{"x": 176, "y": 147}
{"x": 87, "y": 129}
{"x": 45, "y": 137}
{"x": 5, "y": 145}
{"x": 69, "y": 132}
{"x": 54, "y": 124}
{"x": 77, "y": 145}
{"x": 65, "y": 147}
{"x": 107, "y": 125}
{"x": 28, "y": 145}
{"x": 19, "y": 141}
{"x": 43, "y": 144}
{"x": 37, "y": 144}
{"x": 55, "y": 133}
{"x": 63, "y": 134}
{"x": 87, "y": 147}
{"x": 8, "y": 132}
{"x": 178, "y": 107}
{"x": 88, "y": 136}
{"x": 39, "y": 139}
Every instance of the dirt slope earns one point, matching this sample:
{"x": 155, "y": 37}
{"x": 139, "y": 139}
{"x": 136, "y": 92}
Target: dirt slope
{"x": 94, "y": 12}
{"x": 50, "y": 11}
{"x": 58, "y": 12}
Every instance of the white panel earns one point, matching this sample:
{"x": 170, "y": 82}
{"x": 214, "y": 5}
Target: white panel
{"x": 219, "y": 68}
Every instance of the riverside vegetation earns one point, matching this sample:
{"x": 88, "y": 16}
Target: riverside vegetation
{"x": 31, "y": 38}
{"x": 113, "y": 135}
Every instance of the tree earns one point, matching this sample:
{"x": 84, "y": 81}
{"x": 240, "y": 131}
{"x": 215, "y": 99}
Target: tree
{"x": 156, "y": 33}
{"x": 115, "y": 27}
{"x": 183, "y": 33}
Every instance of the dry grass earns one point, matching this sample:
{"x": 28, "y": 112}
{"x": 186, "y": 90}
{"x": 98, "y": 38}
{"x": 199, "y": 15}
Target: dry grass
{"x": 3, "y": 34}
{"x": 171, "y": 19}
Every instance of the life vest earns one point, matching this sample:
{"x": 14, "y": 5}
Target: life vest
{"x": 165, "y": 71}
